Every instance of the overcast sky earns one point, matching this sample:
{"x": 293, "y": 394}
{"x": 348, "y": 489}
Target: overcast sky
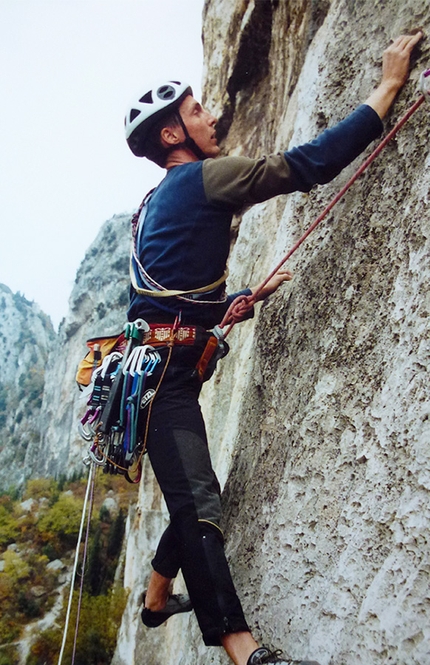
{"x": 68, "y": 70}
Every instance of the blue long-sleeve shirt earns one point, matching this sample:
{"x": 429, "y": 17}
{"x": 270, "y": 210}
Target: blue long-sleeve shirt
{"x": 185, "y": 240}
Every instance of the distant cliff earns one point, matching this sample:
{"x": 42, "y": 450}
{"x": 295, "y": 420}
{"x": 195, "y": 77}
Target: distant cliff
{"x": 97, "y": 306}
{"x": 26, "y": 338}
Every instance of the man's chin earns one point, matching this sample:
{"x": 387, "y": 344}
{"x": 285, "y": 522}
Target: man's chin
{"x": 214, "y": 151}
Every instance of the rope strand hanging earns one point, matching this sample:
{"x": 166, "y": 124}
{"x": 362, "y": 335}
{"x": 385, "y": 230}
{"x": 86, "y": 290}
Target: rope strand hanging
{"x": 84, "y": 560}
{"x": 89, "y": 493}
{"x": 243, "y": 304}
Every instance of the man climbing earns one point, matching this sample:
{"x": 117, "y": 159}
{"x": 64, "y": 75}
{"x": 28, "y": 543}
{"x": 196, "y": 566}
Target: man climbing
{"x": 178, "y": 276}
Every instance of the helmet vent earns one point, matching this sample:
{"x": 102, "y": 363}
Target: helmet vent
{"x": 166, "y": 92}
{"x": 147, "y": 98}
{"x": 133, "y": 114}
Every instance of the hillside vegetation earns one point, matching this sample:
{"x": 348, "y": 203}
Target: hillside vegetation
{"x": 38, "y": 536}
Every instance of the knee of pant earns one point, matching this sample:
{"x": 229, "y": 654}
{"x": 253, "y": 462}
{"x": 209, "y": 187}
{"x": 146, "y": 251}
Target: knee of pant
{"x": 212, "y": 530}
{"x": 185, "y": 522}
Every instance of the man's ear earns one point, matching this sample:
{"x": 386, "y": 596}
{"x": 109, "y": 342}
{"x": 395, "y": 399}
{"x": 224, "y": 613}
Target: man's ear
{"x": 170, "y": 136}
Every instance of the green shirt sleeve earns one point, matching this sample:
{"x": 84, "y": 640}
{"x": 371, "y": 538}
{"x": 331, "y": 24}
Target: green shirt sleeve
{"x": 236, "y": 182}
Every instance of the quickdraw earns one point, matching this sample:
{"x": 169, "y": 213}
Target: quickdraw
{"x": 99, "y": 388}
{"x": 118, "y": 404}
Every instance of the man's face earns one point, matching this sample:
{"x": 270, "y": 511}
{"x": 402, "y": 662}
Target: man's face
{"x": 201, "y": 126}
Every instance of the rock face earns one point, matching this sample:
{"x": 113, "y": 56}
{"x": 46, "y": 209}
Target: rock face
{"x": 26, "y": 336}
{"x": 319, "y": 418}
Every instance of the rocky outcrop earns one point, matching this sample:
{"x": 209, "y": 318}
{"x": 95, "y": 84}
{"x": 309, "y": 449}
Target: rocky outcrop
{"x": 319, "y": 418}
{"x": 26, "y": 336}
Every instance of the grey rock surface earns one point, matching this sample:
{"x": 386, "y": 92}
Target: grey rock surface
{"x": 319, "y": 418}
{"x": 26, "y": 336}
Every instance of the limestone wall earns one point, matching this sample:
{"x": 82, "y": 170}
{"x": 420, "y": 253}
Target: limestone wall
{"x": 319, "y": 417}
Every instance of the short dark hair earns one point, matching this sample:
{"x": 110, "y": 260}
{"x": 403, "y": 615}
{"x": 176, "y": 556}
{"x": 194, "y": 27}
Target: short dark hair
{"x": 153, "y": 148}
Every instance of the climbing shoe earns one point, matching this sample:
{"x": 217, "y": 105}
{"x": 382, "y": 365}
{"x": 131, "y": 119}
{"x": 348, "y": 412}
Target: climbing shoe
{"x": 263, "y": 656}
{"x": 176, "y": 604}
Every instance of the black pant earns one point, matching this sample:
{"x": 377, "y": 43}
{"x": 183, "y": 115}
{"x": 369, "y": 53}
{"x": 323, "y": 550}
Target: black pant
{"x": 193, "y": 541}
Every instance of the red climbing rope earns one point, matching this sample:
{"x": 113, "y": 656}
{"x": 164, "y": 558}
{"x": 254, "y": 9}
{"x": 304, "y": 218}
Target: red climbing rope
{"x": 243, "y": 304}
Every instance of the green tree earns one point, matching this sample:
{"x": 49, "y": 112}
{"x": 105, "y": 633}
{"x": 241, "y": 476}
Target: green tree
{"x": 46, "y": 649}
{"x": 9, "y": 629}
{"x": 8, "y": 529}
{"x": 116, "y": 535}
{"x": 40, "y": 488}
{"x": 62, "y": 519}
{"x": 15, "y": 567}
{"x": 95, "y": 564}
{"x": 9, "y": 656}
{"x": 98, "y": 626}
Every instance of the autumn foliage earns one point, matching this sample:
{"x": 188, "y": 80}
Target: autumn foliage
{"x": 41, "y": 526}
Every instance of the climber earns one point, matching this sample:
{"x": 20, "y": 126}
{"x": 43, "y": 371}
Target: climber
{"x": 179, "y": 271}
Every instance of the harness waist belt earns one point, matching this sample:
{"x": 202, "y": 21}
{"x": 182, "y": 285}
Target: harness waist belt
{"x": 162, "y": 333}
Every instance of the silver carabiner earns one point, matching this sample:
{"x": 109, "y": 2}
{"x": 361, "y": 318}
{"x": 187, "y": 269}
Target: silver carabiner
{"x": 94, "y": 455}
{"x": 425, "y": 84}
{"x": 84, "y": 431}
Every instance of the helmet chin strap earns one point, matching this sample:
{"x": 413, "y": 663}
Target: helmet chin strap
{"x": 189, "y": 142}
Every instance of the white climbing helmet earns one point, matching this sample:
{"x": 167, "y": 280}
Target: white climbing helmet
{"x": 145, "y": 110}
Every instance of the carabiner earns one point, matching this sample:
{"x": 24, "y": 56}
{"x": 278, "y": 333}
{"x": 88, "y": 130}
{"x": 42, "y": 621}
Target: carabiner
{"x": 425, "y": 84}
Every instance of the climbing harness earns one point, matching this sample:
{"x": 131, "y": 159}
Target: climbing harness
{"x": 102, "y": 380}
{"x": 242, "y": 304}
{"x": 120, "y": 397}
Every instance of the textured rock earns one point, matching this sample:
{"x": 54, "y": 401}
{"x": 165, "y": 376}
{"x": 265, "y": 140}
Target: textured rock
{"x": 319, "y": 418}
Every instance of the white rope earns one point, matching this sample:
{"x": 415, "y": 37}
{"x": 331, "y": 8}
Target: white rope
{"x": 75, "y": 567}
